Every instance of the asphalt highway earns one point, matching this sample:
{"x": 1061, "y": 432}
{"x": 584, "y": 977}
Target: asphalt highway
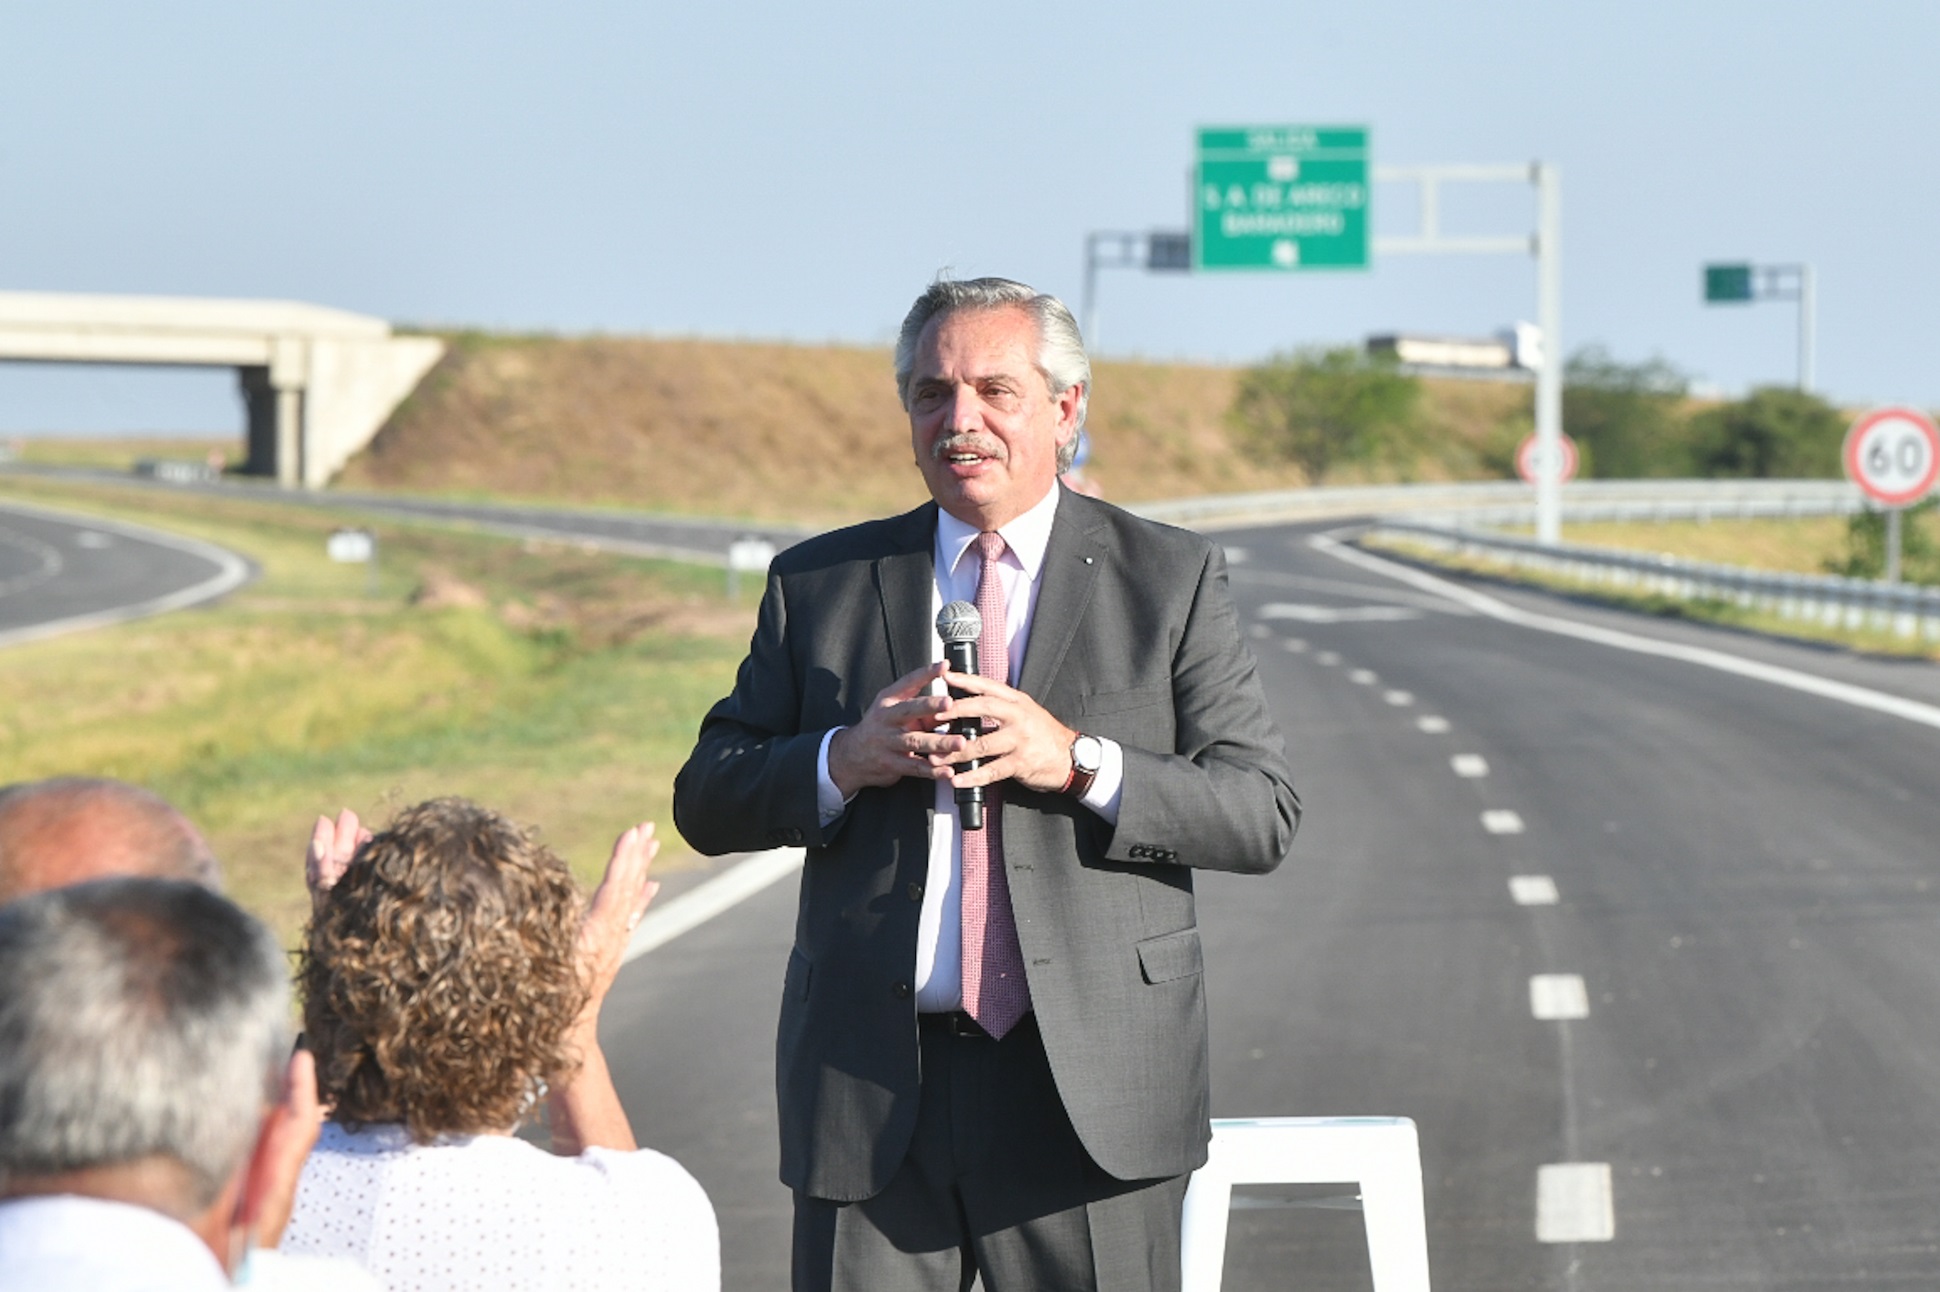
{"x": 1636, "y": 919}
{"x": 1645, "y": 946}
{"x": 62, "y": 572}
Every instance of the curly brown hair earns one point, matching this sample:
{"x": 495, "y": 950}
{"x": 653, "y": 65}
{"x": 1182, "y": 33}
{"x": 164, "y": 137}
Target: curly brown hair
{"x": 440, "y": 974}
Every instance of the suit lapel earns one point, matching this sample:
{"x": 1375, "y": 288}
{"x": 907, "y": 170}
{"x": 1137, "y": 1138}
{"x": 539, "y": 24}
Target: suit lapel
{"x": 906, "y": 581}
{"x": 1064, "y": 589}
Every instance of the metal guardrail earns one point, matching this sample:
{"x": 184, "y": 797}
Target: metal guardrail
{"x": 1906, "y": 610}
{"x": 1508, "y": 502}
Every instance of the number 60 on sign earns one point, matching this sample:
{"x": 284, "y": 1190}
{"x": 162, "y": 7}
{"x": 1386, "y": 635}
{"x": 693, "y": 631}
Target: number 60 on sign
{"x": 1893, "y": 454}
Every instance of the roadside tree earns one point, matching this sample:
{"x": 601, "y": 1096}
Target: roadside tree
{"x": 1775, "y": 432}
{"x": 1626, "y": 418}
{"x": 1328, "y": 408}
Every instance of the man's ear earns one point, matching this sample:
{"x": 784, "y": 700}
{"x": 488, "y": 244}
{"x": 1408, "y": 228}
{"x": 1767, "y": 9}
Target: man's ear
{"x": 289, "y": 1131}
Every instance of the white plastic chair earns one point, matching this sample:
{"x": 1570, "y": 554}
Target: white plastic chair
{"x": 1381, "y": 1155}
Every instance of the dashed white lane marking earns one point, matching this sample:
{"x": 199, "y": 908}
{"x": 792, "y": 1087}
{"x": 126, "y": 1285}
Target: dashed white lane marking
{"x": 1432, "y": 723}
{"x": 1469, "y": 765}
{"x": 1574, "y": 1203}
{"x": 1236, "y": 556}
{"x": 1399, "y": 699}
{"x": 1859, "y": 697}
{"x": 1294, "y": 645}
{"x": 1501, "y": 821}
{"x": 1557, "y": 997}
{"x": 699, "y": 905}
{"x": 1327, "y": 658}
{"x": 89, "y": 539}
{"x": 1363, "y": 677}
{"x": 1533, "y": 890}
{"x": 1301, "y": 612}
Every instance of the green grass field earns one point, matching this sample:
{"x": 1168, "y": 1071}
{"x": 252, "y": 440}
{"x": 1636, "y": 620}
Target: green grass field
{"x": 561, "y": 687}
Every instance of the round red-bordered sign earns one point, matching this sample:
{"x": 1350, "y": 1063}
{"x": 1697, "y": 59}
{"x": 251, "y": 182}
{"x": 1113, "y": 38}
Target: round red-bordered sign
{"x": 1528, "y": 456}
{"x": 1893, "y": 454}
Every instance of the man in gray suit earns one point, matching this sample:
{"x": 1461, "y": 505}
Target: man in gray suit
{"x": 992, "y": 1050}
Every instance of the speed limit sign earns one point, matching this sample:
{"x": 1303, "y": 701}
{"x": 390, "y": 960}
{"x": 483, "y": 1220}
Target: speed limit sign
{"x": 1530, "y": 455}
{"x": 1893, "y": 454}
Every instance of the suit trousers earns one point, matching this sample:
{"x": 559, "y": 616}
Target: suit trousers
{"x": 997, "y": 1184}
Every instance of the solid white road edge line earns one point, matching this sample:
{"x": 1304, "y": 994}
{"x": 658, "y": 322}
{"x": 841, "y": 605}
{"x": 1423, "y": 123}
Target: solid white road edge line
{"x": 1574, "y": 1203}
{"x": 232, "y": 572}
{"x": 1533, "y": 890}
{"x": 1558, "y": 997}
{"x": 1859, "y": 697}
{"x": 728, "y": 889}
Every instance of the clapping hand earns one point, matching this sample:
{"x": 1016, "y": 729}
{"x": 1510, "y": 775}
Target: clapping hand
{"x": 615, "y": 911}
{"x": 332, "y": 845}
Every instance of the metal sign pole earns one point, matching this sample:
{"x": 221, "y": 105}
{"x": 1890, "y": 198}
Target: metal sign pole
{"x": 1549, "y": 377}
{"x": 1548, "y": 248}
{"x": 1806, "y": 306}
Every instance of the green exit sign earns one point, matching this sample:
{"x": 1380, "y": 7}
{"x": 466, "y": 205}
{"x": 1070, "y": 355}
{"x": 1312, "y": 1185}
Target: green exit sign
{"x": 1727, "y": 284}
{"x": 1283, "y": 198}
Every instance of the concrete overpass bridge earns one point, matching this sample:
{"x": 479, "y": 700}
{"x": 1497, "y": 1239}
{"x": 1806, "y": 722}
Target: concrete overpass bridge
{"x": 317, "y": 382}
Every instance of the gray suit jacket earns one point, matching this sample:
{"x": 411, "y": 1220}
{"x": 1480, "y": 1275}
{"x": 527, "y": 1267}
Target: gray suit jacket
{"x": 1134, "y": 638}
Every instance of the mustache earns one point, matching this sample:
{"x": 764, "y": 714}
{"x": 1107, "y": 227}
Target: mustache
{"x": 968, "y": 442}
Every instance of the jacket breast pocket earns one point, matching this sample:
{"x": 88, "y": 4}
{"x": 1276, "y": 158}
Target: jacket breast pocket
{"x": 1171, "y": 957}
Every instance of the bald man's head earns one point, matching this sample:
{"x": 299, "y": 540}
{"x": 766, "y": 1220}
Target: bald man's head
{"x": 71, "y": 829}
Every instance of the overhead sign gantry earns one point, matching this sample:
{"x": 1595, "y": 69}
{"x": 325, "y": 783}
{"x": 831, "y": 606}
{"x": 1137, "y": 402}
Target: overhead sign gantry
{"x": 1290, "y": 199}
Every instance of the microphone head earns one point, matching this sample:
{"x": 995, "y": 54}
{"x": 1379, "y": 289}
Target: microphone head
{"x": 959, "y": 622}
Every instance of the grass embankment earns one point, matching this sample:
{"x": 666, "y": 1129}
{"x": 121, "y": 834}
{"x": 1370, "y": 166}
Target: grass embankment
{"x": 561, "y": 687}
{"x": 798, "y": 433}
{"x": 1802, "y": 545}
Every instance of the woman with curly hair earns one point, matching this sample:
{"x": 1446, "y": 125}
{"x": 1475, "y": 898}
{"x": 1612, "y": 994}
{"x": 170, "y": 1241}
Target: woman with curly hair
{"x": 452, "y": 982}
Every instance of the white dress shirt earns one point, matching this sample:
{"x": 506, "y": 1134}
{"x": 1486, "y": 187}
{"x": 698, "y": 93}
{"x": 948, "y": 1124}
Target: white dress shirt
{"x": 939, "y": 930}
{"x": 62, "y": 1242}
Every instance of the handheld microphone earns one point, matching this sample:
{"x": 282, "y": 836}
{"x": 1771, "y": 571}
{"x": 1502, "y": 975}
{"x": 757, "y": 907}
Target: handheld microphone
{"x": 959, "y": 625}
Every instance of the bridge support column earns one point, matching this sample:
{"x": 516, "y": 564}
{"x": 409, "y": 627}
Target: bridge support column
{"x": 259, "y": 405}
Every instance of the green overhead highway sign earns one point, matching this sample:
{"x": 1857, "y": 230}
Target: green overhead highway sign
{"x": 1282, "y": 198}
{"x": 1727, "y": 284}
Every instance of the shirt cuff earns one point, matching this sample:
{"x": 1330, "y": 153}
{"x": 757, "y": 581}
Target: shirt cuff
{"x": 829, "y": 803}
{"x": 1108, "y": 786}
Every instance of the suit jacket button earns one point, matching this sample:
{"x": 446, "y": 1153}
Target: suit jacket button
{"x": 915, "y": 892}
{"x": 900, "y": 991}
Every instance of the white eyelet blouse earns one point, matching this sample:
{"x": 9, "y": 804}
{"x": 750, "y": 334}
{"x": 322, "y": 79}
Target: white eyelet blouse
{"x": 491, "y": 1211}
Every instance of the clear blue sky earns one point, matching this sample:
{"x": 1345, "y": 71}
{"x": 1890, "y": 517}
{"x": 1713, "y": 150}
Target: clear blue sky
{"x": 799, "y": 171}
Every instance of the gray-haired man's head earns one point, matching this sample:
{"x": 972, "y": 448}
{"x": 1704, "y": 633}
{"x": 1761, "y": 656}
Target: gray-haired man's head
{"x": 1061, "y": 358}
{"x": 142, "y": 1021}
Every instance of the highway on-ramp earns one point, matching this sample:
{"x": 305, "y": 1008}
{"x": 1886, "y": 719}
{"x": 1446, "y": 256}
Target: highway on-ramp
{"x": 63, "y": 572}
{"x": 1638, "y": 920}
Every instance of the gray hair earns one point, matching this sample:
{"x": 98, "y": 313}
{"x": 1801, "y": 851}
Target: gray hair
{"x": 138, "y": 1018}
{"x": 1061, "y": 358}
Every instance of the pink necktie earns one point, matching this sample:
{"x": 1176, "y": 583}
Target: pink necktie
{"x": 994, "y": 991}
